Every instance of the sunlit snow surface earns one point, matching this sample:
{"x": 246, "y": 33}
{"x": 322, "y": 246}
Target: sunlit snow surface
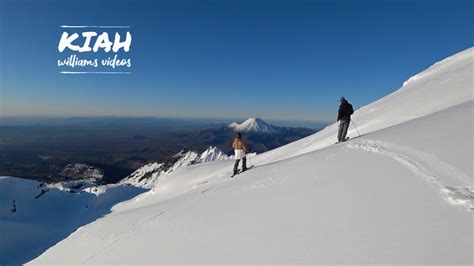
{"x": 401, "y": 193}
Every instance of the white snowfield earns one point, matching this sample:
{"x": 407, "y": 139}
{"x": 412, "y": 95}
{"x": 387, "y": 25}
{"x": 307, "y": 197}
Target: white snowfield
{"x": 401, "y": 193}
{"x": 44, "y": 215}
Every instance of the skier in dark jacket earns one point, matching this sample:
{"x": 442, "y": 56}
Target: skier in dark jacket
{"x": 344, "y": 118}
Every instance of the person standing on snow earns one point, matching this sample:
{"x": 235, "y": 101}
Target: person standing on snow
{"x": 240, "y": 148}
{"x": 344, "y": 118}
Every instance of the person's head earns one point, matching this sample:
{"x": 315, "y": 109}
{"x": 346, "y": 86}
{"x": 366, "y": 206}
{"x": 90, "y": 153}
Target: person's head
{"x": 239, "y": 136}
{"x": 341, "y": 100}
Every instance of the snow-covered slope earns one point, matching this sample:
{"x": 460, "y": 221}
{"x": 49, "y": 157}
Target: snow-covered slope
{"x": 30, "y": 208}
{"x": 394, "y": 197}
{"x": 444, "y": 84}
{"x": 144, "y": 176}
{"x": 35, "y": 216}
{"x": 253, "y": 125}
{"x": 401, "y": 193}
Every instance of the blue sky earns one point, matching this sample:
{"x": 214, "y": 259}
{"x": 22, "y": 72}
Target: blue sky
{"x": 287, "y": 60}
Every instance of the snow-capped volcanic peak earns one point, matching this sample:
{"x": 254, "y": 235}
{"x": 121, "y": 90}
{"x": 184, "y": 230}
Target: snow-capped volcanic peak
{"x": 212, "y": 154}
{"x": 234, "y": 125}
{"x": 254, "y": 125}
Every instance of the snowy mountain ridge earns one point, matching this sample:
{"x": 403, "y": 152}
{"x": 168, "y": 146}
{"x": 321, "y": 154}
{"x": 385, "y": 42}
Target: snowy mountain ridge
{"x": 85, "y": 171}
{"x": 212, "y": 154}
{"x": 147, "y": 175}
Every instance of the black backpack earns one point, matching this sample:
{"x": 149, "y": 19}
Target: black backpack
{"x": 350, "y": 109}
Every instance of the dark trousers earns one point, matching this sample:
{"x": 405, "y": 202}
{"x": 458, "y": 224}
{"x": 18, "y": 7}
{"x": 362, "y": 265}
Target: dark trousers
{"x": 244, "y": 165}
{"x": 343, "y": 127}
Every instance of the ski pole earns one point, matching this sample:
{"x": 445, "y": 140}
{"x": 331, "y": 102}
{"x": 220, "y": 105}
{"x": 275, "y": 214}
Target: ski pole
{"x": 250, "y": 159}
{"x": 355, "y": 127}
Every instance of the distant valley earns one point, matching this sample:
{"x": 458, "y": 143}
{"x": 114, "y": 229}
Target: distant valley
{"x": 108, "y": 151}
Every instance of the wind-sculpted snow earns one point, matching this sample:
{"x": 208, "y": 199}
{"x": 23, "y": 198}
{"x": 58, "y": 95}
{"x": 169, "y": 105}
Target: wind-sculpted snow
{"x": 457, "y": 195}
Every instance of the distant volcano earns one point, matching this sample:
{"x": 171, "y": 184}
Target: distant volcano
{"x": 254, "y": 125}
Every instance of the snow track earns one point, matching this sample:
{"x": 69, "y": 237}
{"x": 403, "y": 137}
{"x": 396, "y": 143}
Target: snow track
{"x": 459, "y": 195}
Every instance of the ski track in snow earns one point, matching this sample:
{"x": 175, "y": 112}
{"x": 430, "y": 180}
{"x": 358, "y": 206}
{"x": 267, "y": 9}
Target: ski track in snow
{"x": 130, "y": 227}
{"x": 456, "y": 195}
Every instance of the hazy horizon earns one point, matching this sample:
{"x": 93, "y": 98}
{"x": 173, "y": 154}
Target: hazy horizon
{"x": 191, "y": 121}
{"x": 279, "y": 60}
